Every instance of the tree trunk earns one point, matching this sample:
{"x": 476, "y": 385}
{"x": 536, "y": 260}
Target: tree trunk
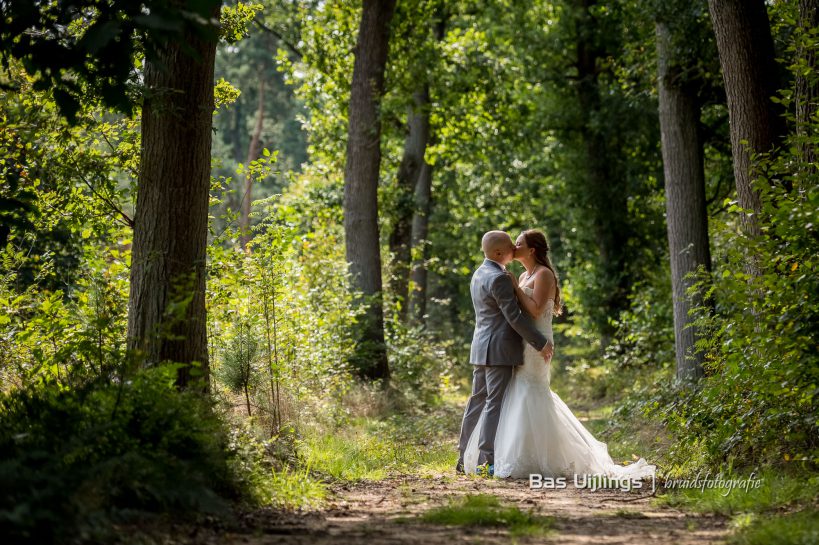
{"x": 422, "y": 201}
{"x": 606, "y": 187}
{"x": 412, "y": 162}
{"x": 252, "y": 154}
{"x": 420, "y": 228}
{"x": 686, "y": 213}
{"x": 361, "y": 182}
{"x": 807, "y": 92}
{"x": 166, "y": 318}
{"x": 746, "y": 55}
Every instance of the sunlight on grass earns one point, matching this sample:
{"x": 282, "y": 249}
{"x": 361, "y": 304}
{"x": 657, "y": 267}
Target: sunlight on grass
{"x": 793, "y": 529}
{"x": 776, "y": 490}
{"x": 757, "y": 518}
{"x": 486, "y": 510}
{"x": 290, "y": 490}
{"x": 371, "y": 449}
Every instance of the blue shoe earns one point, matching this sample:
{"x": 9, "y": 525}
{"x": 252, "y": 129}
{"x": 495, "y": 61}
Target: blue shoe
{"x": 485, "y": 470}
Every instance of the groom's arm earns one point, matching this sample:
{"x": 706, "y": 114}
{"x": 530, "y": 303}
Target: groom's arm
{"x": 504, "y": 293}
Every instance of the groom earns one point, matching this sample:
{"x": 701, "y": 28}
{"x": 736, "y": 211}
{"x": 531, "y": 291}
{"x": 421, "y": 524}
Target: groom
{"x": 496, "y": 345}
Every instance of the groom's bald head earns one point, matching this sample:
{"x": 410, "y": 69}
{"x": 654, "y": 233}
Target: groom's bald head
{"x": 497, "y": 245}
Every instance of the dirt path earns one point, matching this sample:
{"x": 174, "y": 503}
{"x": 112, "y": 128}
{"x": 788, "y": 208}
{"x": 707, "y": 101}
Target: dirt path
{"x": 387, "y": 512}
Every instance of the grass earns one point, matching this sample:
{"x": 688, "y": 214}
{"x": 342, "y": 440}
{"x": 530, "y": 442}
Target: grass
{"x": 760, "y": 515}
{"x": 372, "y": 449}
{"x": 800, "y": 528}
{"x": 776, "y": 490}
{"x": 268, "y": 484}
{"x": 487, "y": 510}
{"x": 290, "y": 490}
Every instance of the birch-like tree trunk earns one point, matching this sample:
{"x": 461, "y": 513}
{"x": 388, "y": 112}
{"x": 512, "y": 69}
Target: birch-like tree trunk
{"x": 686, "y": 213}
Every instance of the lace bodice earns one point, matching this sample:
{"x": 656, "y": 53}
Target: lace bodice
{"x": 544, "y": 321}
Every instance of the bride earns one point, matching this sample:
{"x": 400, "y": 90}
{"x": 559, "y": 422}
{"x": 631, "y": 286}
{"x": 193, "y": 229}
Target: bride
{"x": 537, "y": 433}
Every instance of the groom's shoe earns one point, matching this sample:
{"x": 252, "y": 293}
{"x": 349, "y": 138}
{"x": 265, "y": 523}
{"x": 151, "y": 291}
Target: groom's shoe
{"x": 459, "y": 468}
{"x": 485, "y": 470}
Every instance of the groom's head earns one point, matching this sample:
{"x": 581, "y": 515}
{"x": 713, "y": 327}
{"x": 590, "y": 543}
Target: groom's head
{"x": 498, "y": 246}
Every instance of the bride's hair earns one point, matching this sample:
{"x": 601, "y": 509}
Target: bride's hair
{"x": 537, "y": 240}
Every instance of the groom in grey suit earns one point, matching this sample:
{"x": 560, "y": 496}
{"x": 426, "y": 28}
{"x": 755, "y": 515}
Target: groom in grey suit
{"x": 497, "y": 346}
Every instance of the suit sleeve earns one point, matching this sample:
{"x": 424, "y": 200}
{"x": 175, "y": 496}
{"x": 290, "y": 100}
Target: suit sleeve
{"x": 504, "y": 294}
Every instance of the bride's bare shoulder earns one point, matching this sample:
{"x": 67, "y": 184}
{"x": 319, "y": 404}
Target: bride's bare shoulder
{"x": 546, "y": 275}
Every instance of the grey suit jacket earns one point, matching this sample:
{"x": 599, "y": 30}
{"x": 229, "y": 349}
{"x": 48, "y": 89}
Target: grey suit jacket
{"x": 499, "y": 321}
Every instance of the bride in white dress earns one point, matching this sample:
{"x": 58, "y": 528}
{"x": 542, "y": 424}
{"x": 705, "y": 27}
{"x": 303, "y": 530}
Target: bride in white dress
{"x": 537, "y": 433}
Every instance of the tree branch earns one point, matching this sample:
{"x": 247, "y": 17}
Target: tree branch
{"x": 293, "y": 49}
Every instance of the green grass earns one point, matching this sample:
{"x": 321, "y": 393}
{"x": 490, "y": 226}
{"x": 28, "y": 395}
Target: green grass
{"x": 266, "y": 483}
{"x": 290, "y": 490}
{"x": 775, "y": 491}
{"x": 487, "y": 510}
{"x": 793, "y": 529}
{"x": 372, "y": 449}
{"x": 757, "y": 517}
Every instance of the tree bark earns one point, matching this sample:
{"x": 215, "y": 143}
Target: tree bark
{"x": 807, "y": 92}
{"x": 412, "y": 163}
{"x": 361, "y": 182}
{"x": 746, "y": 54}
{"x": 686, "y": 211}
{"x": 420, "y": 229}
{"x": 252, "y": 154}
{"x": 166, "y": 318}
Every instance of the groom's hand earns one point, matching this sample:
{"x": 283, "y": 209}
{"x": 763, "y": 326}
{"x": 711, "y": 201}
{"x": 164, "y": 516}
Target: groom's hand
{"x": 548, "y": 351}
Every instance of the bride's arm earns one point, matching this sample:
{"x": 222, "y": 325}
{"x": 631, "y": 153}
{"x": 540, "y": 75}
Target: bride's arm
{"x": 544, "y": 289}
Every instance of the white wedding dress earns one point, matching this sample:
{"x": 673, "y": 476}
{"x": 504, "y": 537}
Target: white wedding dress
{"x": 537, "y": 433}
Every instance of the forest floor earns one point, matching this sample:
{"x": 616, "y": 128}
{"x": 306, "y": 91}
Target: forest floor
{"x": 395, "y": 511}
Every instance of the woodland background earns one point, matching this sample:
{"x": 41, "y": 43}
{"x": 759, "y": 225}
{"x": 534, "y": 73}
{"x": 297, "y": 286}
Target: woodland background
{"x": 236, "y": 241}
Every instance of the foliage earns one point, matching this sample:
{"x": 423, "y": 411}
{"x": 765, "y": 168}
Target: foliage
{"x": 801, "y": 528}
{"x": 288, "y": 296}
{"x": 262, "y": 477}
{"x": 777, "y": 490}
{"x": 86, "y": 48}
{"x": 763, "y": 514}
{"x": 509, "y": 149}
{"x": 422, "y": 367}
{"x": 105, "y": 449}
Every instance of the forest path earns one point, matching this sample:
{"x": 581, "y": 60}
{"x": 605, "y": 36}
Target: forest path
{"x": 389, "y": 512}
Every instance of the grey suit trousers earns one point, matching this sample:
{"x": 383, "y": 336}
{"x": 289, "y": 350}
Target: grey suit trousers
{"x": 488, "y": 387}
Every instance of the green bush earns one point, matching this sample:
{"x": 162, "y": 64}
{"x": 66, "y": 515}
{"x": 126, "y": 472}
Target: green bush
{"x": 74, "y": 459}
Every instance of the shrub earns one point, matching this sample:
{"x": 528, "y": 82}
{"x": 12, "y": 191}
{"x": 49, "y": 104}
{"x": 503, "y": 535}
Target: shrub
{"x": 72, "y": 459}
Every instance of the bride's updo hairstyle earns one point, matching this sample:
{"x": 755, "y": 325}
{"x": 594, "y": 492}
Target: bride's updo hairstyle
{"x": 537, "y": 241}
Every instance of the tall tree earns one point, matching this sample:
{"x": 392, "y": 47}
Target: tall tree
{"x": 605, "y": 187}
{"x": 361, "y": 181}
{"x": 421, "y": 191}
{"x": 166, "y": 320}
{"x": 686, "y": 213}
{"x": 420, "y": 229}
{"x": 746, "y": 54}
{"x": 409, "y": 172}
